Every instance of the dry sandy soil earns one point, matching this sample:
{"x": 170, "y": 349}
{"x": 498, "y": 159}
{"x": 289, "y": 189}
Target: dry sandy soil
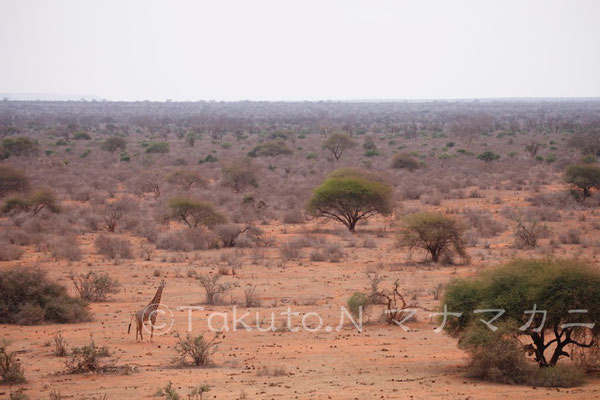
{"x": 381, "y": 362}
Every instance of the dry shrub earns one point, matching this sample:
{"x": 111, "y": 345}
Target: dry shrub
{"x": 60, "y": 346}
{"x": 9, "y": 252}
{"x": 187, "y": 240}
{"x": 484, "y": 222}
{"x": 572, "y": 236}
{"x": 528, "y": 234}
{"x": 146, "y": 230}
{"x": 87, "y": 359}
{"x": 11, "y": 371}
{"x": 295, "y": 216}
{"x": 434, "y": 199}
{"x": 213, "y": 288}
{"x": 413, "y": 192}
{"x": 331, "y": 252}
{"x": 271, "y": 371}
{"x": 543, "y": 214}
{"x": 251, "y": 299}
{"x": 174, "y": 241}
{"x": 65, "y": 248}
{"x": 290, "y": 250}
{"x": 557, "y": 200}
{"x": 113, "y": 247}
{"x": 95, "y": 286}
{"x": 234, "y": 235}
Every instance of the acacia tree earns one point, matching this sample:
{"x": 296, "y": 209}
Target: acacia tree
{"x": 470, "y": 127}
{"x": 194, "y": 212}
{"x": 186, "y": 179}
{"x": 584, "y": 178}
{"x": 349, "y": 199}
{"x": 532, "y": 147}
{"x": 114, "y": 212}
{"x": 239, "y": 174}
{"x": 337, "y": 143}
{"x": 34, "y": 203}
{"x": 552, "y": 287}
{"x": 113, "y": 144}
{"x": 12, "y": 180}
{"x": 433, "y": 232}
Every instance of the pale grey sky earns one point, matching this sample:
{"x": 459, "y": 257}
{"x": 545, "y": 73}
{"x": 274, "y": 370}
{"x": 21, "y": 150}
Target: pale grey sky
{"x": 301, "y": 50}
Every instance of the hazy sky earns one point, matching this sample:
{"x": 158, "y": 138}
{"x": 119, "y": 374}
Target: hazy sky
{"x": 301, "y": 50}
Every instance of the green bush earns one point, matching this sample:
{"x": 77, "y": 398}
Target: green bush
{"x": 113, "y": 144}
{"x": 553, "y": 285}
{"x": 81, "y": 136}
{"x": 589, "y": 159}
{"x": 28, "y": 297}
{"x": 195, "y": 349}
{"x": 550, "y": 158}
{"x": 85, "y": 153}
{"x": 157, "y": 147}
{"x": 489, "y": 156}
{"x": 405, "y": 161}
{"x": 208, "y": 159}
{"x": 270, "y": 149}
{"x": 498, "y": 357}
{"x": 356, "y": 301}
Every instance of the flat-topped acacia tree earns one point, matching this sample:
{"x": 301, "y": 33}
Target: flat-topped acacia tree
{"x": 583, "y": 178}
{"x": 337, "y": 143}
{"x": 349, "y": 198}
{"x": 195, "y": 213}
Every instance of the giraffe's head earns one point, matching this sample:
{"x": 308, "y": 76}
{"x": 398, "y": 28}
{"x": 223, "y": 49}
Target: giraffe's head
{"x": 163, "y": 283}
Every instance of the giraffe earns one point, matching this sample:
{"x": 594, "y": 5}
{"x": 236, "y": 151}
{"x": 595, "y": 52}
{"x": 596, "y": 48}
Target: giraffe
{"x": 147, "y": 313}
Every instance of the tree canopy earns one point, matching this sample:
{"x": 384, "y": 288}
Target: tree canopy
{"x": 555, "y": 286}
{"x": 348, "y": 199}
{"x": 337, "y": 143}
{"x": 584, "y": 178}
{"x": 114, "y": 143}
{"x": 405, "y": 161}
{"x": 34, "y": 203}
{"x": 12, "y": 180}
{"x": 194, "y": 213}
{"x": 434, "y": 232}
{"x": 239, "y": 174}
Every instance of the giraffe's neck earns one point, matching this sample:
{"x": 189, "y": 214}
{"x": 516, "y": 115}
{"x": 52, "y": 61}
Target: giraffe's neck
{"x": 157, "y": 296}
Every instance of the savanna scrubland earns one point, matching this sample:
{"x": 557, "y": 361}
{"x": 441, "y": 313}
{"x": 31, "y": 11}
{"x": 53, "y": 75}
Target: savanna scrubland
{"x": 311, "y": 206}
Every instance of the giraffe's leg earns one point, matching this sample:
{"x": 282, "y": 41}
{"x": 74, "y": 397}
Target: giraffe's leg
{"x": 152, "y": 322}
